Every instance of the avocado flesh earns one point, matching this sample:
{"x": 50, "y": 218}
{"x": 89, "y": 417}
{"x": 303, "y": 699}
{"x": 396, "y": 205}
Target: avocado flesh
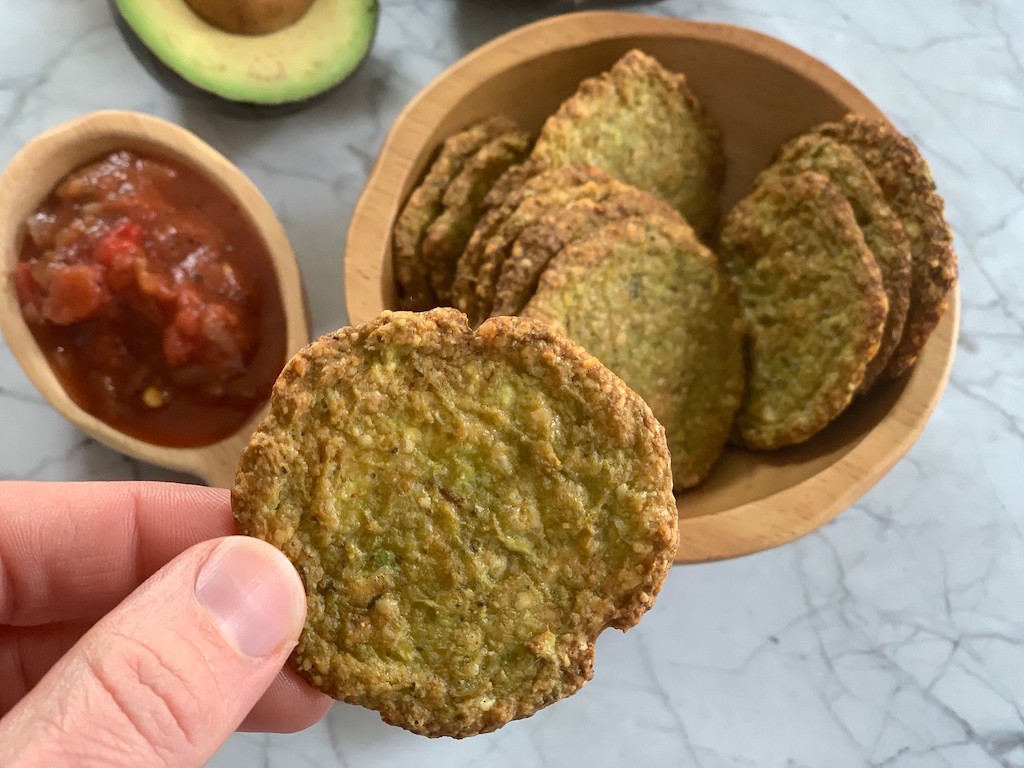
{"x": 294, "y": 64}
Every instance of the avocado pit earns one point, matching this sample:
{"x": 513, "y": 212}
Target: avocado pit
{"x": 250, "y": 17}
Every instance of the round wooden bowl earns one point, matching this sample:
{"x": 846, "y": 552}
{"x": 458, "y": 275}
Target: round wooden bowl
{"x": 33, "y": 174}
{"x": 762, "y": 92}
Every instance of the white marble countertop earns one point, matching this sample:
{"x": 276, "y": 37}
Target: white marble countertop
{"x": 892, "y": 637}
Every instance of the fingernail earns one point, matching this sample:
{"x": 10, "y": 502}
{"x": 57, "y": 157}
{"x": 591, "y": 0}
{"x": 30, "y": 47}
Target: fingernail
{"x": 252, "y": 595}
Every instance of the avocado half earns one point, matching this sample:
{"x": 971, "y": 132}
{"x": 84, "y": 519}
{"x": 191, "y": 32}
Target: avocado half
{"x": 284, "y": 69}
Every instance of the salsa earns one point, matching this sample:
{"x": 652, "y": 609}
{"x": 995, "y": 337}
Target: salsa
{"x": 154, "y": 299}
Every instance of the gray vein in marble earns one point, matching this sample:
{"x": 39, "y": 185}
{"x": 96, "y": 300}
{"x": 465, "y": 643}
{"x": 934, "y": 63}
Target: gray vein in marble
{"x": 21, "y": 397}
{"x": 977, "y": 395}
{"x": 652, "y": 673}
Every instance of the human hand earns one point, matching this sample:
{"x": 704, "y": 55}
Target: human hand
{"x": 133, "y": 634}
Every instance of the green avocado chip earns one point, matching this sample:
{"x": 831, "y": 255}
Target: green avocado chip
{"x": 468, "y": 511}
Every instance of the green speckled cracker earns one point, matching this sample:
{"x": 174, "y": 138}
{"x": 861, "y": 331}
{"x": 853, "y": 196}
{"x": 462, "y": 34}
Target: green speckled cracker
{"x": 906, "y": 182}
{"x": 813, "y": 305}
{"x": 643, "y": 125}
{"x": 447, "y": 235}
{"x": 883, "y": 233}
{"x": 653, "y": 304}
{"x": 468, "y": 511}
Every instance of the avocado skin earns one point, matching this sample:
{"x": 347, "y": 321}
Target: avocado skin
{"x": 182, "y": 88}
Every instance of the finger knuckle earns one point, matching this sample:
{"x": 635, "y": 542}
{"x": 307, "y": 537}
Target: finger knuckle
{"x": 156, "y": 696}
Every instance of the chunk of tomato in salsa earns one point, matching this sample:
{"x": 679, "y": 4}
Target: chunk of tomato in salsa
{"x": 62, "y": 294}
{"x": 150, "y": 289}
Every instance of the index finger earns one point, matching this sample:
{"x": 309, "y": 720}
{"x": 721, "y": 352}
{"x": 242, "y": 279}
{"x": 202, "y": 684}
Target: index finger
{"x": 72, "y": 551}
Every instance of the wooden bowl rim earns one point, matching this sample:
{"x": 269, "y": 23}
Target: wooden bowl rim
{"x": 107, "y": 130}
{"x": 782, "y": 516}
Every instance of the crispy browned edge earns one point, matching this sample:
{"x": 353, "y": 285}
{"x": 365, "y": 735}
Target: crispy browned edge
{"x": 464, "y": 293}
{"x": 539, "y": 243}
{"x": 499, "y": 247}
{"x": 887, "y": 232}
{"x": 446, "y": 237}
{"x": 251, "y": 496}
{"x": 906, "y": 181}
{"x": 424, "y": 205}
{"x": 511, "y": 180}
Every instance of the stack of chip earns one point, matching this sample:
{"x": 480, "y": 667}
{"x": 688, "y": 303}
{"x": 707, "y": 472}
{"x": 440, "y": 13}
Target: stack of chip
{"x": 844, "y": 262}
{"x": 439, "y": 217}
{"x": 829, "y": 277}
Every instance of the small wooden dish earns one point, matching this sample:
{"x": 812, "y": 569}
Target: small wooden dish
{"x": 29, "y": 179}
{"x": 762, "y": 92}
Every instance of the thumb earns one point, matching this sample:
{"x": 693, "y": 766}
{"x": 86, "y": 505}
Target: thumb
{"x": 168, "y": 675}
